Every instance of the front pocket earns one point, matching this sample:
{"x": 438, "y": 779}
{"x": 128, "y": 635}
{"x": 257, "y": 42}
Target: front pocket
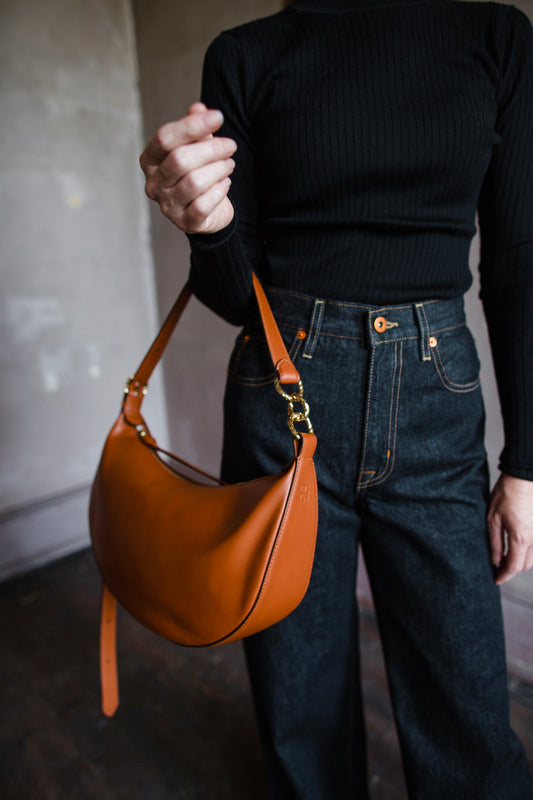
{"x": 456, "y": 360}
{"x": 250, "y": 362}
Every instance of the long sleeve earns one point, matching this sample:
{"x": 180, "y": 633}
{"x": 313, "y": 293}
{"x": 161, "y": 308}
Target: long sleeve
{"x": 506, "y": 228}
{"x": 221, "y": 262}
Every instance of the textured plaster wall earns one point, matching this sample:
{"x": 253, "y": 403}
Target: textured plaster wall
{"x": 76, "y": 306}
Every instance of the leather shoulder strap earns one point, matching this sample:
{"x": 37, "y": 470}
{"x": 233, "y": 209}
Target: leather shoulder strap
{"x": 288, "y": 373}
{"x": 278, "y": 352}
{"x": 108, "y": 652}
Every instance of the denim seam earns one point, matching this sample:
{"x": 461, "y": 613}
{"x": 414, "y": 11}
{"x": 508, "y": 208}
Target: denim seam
{"x": 292, "y": 327}
{"x": 395, "y": 339}
{"x": 449, "y": 328}
{"x": 452, "y": 386}
{"x": 314, "y": 329}
{"x": 392, "y": 436}
{"x": 393, "y": 410}
{"x": 424, "y": 331}
{"x": 367, "y": 420}
{"x": 342, "y": 336}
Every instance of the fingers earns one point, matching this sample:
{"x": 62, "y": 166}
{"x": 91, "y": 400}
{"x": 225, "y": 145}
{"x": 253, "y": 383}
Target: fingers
{"x": 209, "y": 211}
{"x": 516, "y": 553}
{"x": 199, "y": 181}
{"x": 510, "y": 552}
{"x": 187, "y": 171}
{"x": 194, "y": 194}
{"x": 510, "y": 524}
{"x": 518, "y": 558}
{"x": 192, "y": 128}
{"x": 184, "y": 161}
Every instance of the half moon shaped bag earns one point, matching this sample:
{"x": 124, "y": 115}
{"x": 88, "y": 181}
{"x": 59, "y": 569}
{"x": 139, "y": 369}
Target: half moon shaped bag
{"x": 195, "y": 560}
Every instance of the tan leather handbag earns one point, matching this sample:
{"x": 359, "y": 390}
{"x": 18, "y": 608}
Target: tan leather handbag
{"x": 198, "y": 561}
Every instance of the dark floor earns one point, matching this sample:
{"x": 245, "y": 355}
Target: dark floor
{"x": 184, "y": 729}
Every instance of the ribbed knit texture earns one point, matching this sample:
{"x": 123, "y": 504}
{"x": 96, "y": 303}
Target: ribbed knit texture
{"x": 369, "y": 133}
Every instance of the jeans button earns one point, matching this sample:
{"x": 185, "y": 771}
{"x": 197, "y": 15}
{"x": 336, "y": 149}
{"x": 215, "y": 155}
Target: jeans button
{"x": 380, "y": 324}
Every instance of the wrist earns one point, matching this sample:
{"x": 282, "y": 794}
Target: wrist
{"x": 213, "y": 238}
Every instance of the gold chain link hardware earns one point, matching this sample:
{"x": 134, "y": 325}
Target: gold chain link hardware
{"x": 295, "y": 416}
{"x": 137, "y": 389}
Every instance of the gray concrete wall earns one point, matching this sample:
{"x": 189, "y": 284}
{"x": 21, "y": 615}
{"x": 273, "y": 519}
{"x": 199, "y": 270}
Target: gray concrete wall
{"x": 77, "y": 301}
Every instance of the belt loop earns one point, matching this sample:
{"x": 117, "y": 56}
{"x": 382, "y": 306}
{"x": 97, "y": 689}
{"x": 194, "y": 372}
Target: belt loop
{"x": 314, "y": 328}
{"x": 423, "y": 328}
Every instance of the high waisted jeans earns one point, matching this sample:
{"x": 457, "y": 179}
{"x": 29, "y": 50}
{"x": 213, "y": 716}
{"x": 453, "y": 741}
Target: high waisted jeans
{"x": 397, "y": 409}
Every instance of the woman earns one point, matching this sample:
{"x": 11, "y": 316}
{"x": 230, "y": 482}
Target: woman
{"x": 366, "y": 134}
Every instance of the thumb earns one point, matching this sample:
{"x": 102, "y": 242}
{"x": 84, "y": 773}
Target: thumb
{"x": 198, "y": 108}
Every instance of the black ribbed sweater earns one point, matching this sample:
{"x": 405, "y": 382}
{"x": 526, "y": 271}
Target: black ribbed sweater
{"x": 369, "y": 133}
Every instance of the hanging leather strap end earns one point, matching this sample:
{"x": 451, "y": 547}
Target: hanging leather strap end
{"x": 108, "y": 652}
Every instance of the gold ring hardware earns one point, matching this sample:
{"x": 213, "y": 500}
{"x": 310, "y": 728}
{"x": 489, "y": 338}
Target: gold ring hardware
{"x": 295, "y": 416}
{"x": 137, "y": 388}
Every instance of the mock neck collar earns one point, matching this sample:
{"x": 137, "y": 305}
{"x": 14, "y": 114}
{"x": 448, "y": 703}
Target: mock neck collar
{"x": 351, "y": 5}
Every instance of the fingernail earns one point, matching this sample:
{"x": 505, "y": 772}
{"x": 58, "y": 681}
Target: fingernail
{"x": 215, "y": 118}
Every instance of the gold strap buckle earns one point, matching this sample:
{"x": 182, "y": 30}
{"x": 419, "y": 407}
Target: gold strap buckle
{"x": 295, "y": 416}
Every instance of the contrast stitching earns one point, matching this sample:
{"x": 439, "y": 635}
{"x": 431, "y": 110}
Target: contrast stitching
{"x": 314, "y": 329}
{"x": 392, "y": 438}
{"x": 395, "y": 339}
{"x": 367, "y": 409}
{"x": 450, "y": 328}
{"x": 462, "y": 388}
{"x": 424, "y": 333}
{"x": 391, "y": 443}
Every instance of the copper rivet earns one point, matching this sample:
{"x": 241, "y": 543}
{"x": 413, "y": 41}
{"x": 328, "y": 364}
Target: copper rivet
{"x": 380, "y": 324}
{"x": 246, "y": 338}
{"x": 301, "y": 334}
{"x": 432, "y": 341}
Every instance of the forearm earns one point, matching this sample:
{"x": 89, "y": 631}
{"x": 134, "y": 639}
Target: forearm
{"x": 221, "y": 275}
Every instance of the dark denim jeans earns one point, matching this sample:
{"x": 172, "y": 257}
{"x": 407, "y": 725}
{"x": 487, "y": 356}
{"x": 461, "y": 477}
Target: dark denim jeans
{"x": 397, "y": 408}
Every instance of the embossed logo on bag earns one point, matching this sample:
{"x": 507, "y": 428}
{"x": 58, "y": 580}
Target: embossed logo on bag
{"x": 305, "y": 493}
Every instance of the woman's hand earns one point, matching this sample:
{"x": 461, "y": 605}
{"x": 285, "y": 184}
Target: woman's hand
{"x": 510, "y": 521}
{"x": 187, "y": 171}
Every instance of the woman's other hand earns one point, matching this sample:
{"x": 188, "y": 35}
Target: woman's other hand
{"x": 187, "y": 171}
{"x": 510, "y": 521}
